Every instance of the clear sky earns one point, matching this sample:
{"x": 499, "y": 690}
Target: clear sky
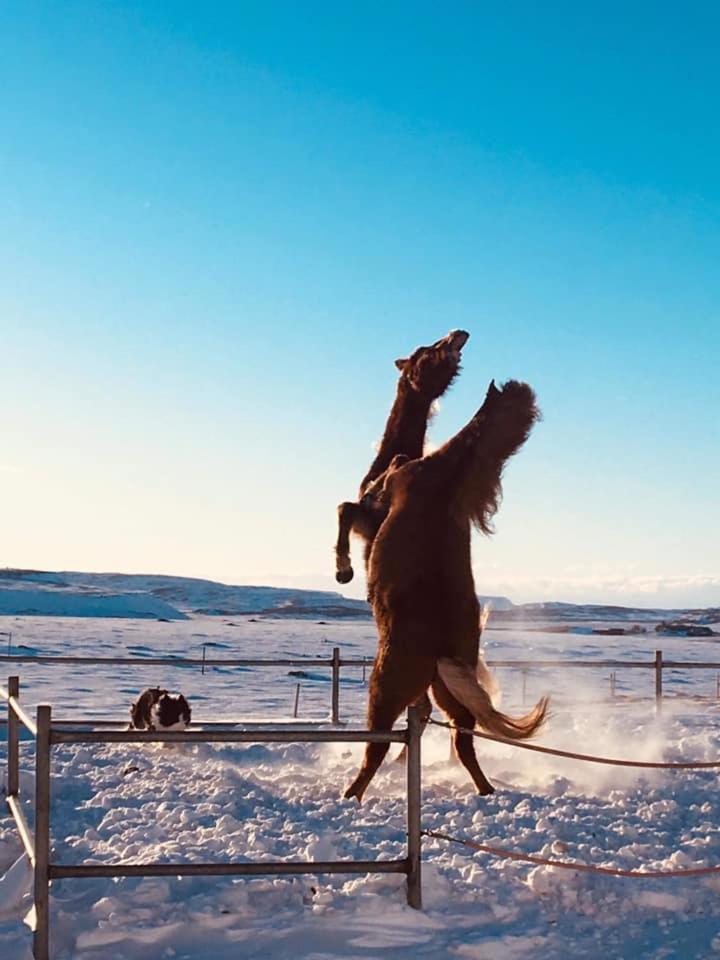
{"x": 221, "y": 223}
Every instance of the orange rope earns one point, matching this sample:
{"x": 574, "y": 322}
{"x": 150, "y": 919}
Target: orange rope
{"x": 699, "y": 765}
{"x": 569, "y": 865}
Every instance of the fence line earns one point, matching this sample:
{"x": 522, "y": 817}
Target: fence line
{"x": 348, "y": 662}
{"x": 336, "y": 663}
{"x": 37, "y": 844}
{"x": 177, "y": 661}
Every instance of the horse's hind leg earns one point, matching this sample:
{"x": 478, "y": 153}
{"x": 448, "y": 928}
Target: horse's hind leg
{"x": 464, "y": 743}
{"x": 425, "y": 704}
{"x": 396, "y": 682}
{"x": 346, "y": 518}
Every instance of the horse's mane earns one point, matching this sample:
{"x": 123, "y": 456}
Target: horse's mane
{"x": 503, "y": 424}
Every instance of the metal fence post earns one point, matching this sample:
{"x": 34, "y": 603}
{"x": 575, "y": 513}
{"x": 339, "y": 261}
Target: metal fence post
{"x": 13, "y": 744}
{"x": 336, "y": 685}
{"x": 41, "y": 935}
{"x": 414, "y": 802}
{"x": 658, "y": 680}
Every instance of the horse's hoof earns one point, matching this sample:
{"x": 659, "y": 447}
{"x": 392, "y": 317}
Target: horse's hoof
{"x": 486, "y": 791}
{"x": 344, "y": 576}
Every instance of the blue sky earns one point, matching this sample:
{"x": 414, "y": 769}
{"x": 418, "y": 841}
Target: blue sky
{"x": 221, "y": 224}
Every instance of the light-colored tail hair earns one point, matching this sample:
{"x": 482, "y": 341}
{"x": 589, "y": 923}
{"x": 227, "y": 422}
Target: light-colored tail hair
{"x": 488, "y": 681}
{"x": 463, "y": 683}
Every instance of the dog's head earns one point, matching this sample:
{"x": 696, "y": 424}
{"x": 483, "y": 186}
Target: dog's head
{"x": 171, "y": 712}
{"x": 157, "y": 709}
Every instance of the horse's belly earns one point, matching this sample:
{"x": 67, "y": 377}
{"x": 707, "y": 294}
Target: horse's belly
{"x": 427, "y": 621}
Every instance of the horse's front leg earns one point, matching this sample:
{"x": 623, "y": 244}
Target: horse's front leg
{"x": 347, "y": 514}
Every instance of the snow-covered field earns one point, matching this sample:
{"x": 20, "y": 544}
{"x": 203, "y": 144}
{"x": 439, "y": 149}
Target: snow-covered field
{"x": 204, "y": 803}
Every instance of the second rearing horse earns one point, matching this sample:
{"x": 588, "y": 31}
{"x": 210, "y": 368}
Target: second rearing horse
{"x": 424, "y": 377}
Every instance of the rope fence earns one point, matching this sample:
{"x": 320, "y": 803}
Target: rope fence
{"x": 588, "y": 758}
{"x": 571, "y": 864}
{"x": 574, "y": 864}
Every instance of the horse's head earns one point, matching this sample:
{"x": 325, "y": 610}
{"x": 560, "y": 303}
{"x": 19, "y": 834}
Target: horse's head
{"x": 430, "y": 370}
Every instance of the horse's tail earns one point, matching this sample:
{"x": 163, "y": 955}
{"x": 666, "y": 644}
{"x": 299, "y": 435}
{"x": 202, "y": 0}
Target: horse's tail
{"x": 465, "y": 686}
{"x": 484, "y": 616}
{"x": 488, "y": 681}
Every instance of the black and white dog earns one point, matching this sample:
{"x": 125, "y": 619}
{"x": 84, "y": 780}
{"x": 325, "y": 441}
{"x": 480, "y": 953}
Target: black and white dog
{"x": 156, "y": 709}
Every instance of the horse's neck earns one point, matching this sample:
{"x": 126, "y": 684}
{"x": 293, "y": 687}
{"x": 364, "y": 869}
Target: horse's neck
{"x": 404, "y": 431}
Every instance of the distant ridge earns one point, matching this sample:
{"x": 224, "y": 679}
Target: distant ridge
{"x": 77, "y": 594}
{"x": 558, "y": 611}
{"x": 71, "y": 593}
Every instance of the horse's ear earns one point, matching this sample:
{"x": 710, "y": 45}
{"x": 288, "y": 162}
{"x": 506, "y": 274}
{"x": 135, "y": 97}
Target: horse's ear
{"x": 400, "y": 364}
{"x": 492, "y": 390}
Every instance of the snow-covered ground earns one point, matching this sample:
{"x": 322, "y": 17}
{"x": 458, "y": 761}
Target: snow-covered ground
{"x": 204, "y": 803}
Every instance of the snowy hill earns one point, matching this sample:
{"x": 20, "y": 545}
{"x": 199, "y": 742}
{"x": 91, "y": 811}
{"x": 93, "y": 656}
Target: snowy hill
{"x": 65, "y": 593}
{"x": 52, "y": 597}
{"x": 66, "y": 603}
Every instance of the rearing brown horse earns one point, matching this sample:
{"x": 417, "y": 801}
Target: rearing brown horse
{"x": 424, "y": 377}
{"x": 421, "y": 583}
